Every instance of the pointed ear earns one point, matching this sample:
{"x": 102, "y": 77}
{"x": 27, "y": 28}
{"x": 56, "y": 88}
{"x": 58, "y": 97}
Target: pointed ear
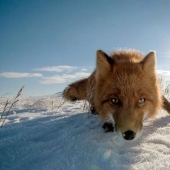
{"x": 149, "y": 62}
{"x": 104, "y": 63}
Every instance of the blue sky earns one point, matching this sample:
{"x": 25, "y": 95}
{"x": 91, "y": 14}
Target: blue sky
{"x": 46, "y": 44}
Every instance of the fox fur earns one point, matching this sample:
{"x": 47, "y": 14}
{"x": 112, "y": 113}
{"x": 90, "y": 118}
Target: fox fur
{"x": 123, "y": 89}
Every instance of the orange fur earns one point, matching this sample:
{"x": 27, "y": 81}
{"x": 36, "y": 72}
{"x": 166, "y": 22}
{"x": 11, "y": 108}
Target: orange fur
{"x": 128, "y": 78}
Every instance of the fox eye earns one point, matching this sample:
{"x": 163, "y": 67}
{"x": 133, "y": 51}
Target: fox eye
{"x": 141, "y": 100}
{"x": 115, "y": 101}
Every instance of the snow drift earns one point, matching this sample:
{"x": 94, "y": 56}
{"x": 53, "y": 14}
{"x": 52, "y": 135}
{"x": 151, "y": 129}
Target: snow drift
{"x": 42, "y": 136}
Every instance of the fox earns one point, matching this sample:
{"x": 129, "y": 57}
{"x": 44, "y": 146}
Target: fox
{"x": 123, "y": 90}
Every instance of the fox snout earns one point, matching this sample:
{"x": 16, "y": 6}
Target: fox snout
{"x": 131, "y": 128}
{"x": 129, "y": 135}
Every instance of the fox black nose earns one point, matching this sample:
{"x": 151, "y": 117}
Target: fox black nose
{"x": 129, "y": 135}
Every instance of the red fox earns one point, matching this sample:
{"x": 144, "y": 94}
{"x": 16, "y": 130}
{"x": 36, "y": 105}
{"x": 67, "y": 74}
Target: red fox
{"x": 123, "y": 90}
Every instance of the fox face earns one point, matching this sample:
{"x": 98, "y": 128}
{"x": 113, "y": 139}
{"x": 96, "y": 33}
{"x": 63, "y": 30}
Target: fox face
{"x": 126, "y": 90}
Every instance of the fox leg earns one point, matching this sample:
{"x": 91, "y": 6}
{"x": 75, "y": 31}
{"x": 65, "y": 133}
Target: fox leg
{"x": 80, "y": 90}
{"x": 76, "y": 91}
{"x": 166, "y": 104}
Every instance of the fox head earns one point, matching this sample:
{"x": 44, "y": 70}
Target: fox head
{"x": 126, "y": 90}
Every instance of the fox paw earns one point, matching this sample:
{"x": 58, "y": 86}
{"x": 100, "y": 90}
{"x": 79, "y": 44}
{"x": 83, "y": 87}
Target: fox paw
{"x": 93, "y": 110}
{"x": 73, "y": 98}
{"x": 108, "y": 127}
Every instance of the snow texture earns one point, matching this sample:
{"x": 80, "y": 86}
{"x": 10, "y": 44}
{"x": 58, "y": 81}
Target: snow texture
{"x": 39, "y": 135}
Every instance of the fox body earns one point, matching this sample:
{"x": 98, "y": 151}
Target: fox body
{"x": 123, "y": 90}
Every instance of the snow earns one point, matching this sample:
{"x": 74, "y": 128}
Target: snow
{"x": 39, "y": 135}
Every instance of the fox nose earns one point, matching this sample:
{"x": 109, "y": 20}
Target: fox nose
{"x": 129, "y": 135}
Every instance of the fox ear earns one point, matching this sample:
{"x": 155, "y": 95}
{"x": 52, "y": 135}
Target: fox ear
{"x": 149, "y": 62}
{"x": 104, "y": 63}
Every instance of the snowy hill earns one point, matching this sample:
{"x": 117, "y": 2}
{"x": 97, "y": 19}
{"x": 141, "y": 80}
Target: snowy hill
{"x": 40, "y": 135}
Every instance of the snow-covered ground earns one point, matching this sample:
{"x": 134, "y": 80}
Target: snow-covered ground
{"x": 39, "y": 135}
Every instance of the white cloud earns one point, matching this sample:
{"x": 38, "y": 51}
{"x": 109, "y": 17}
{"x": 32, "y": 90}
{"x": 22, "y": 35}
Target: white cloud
{"x": 84, "y": 69}
{"x": 163, "y": 72}
{"x": 58, "y": 79}
{"x": 19, "y": 75}
{"x": 56, "y": 68}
